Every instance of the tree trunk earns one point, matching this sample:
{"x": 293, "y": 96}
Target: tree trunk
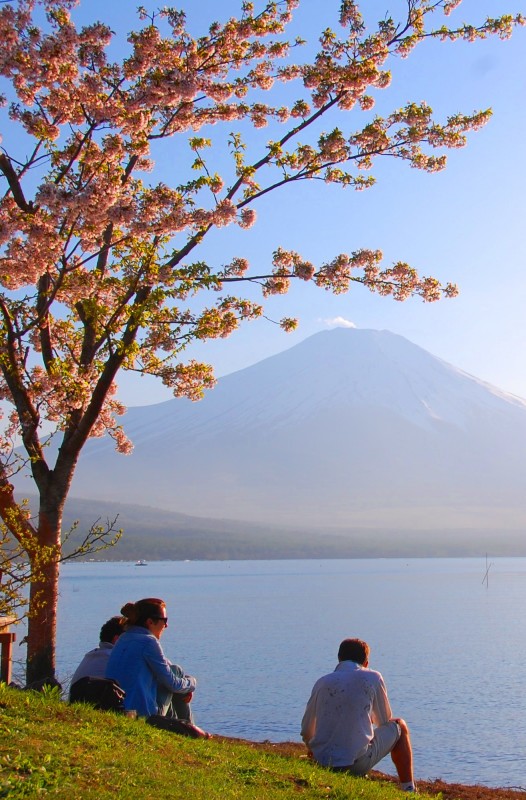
{"x": 43, "y": 598}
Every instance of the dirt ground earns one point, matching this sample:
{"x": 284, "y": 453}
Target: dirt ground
{"x": 449, "y": 791}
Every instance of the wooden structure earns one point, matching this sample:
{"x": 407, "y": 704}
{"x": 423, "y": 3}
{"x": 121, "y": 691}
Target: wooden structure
{"x": 6, "y": 648}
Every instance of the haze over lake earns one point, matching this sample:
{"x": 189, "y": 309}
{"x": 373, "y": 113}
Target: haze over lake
{"x": 257, "y": 634}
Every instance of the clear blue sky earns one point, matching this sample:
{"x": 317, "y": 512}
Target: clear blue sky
{"x": 466, "y": 224}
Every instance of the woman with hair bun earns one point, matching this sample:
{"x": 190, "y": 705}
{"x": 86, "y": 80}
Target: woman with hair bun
{"x": 152, "y": 684}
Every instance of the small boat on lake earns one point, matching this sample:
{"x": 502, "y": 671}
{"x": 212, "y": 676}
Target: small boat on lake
{"x": 141, "y": 563}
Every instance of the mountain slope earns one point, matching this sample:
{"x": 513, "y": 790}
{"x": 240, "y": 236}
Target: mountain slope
{"x": 350, "y": 427}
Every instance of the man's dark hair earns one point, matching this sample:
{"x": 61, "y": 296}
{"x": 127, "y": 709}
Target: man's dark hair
{"x": 111, "y": 629}
{"x": 354, "y": 650}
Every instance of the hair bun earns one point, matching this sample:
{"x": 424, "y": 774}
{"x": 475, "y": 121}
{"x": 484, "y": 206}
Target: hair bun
{"x": 128, "y": 610}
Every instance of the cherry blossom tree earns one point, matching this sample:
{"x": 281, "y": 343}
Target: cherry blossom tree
{"x": 99, "y": 259}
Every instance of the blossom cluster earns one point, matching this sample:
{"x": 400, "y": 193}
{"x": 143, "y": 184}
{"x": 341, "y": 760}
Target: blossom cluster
{"x": 190, "y": 380}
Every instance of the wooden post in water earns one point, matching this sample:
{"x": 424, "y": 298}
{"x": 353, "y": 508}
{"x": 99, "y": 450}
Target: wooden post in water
{"x": 485, "y": 579}
{"x": 6, "y": 648}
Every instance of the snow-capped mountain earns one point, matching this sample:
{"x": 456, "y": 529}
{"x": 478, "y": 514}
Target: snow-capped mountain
{"x": 349, "y": 427}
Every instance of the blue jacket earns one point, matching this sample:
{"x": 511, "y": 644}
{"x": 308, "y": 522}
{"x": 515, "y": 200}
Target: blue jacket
{"x": 139, "y": 666}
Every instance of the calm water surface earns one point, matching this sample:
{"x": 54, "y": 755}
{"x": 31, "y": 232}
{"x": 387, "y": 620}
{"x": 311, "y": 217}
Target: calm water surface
{"x": 257, "y": 634}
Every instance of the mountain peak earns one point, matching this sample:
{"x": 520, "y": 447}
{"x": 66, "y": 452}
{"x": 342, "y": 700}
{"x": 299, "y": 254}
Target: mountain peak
{"x": 348, "y": 428}
{"x": 345, "y": 368}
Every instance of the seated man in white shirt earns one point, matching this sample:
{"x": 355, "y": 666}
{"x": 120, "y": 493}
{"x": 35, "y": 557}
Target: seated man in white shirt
{"x": 348, "y": 724}
{"x": 94, "y": 663}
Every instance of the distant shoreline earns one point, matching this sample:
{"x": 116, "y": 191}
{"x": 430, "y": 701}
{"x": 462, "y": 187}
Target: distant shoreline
{"x": 405, "y": 557}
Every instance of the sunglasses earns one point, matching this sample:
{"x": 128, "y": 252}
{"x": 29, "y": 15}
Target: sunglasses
{"x": 161, "y": 619}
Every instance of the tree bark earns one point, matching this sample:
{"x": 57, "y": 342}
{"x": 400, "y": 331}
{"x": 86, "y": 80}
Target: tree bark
{"x": 43, "y": 597}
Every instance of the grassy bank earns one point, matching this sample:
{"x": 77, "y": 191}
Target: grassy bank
{"x": 51, "y": 749}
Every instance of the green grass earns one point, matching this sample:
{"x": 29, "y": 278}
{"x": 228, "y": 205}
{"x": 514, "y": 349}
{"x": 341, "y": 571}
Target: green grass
{"x": 50, "y": 749}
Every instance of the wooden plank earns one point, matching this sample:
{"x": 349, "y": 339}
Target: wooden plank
{"x": 6, "y": 648}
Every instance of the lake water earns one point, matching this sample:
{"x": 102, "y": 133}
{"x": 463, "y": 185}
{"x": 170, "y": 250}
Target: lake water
{"x": 257, "y": 634}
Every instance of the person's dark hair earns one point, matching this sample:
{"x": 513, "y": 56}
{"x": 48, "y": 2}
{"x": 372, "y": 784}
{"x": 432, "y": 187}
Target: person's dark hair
{"x": 112, "y": 628}
{"x": 137, "y": 613}
{"x": 354, "y": 650}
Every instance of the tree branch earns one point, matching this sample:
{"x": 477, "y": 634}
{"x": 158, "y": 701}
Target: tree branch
{"x": 42, "y": 305}
{"x": 14, "y": 184}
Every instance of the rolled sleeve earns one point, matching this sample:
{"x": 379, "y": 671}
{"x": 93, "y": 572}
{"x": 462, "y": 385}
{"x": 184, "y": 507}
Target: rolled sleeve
{"x": 381, "y": 710}
{"x": 308, "y": 723}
